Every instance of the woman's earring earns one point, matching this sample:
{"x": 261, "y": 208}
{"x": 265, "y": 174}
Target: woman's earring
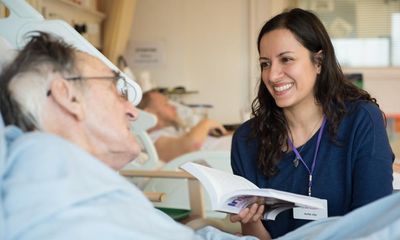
{"x": 318, "y": 68}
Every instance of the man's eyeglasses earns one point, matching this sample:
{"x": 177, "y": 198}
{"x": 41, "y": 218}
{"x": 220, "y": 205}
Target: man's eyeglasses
{"x": 124, "y": 88}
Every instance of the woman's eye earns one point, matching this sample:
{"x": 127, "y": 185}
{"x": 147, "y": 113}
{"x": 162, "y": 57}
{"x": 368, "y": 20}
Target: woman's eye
{"x": 264, "y": 65}
{"x": 286, "y": 59}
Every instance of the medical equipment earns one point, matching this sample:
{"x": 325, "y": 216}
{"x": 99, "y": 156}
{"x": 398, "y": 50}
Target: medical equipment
{"x": 176, "y": 190}
{"x": 24, "y": 20}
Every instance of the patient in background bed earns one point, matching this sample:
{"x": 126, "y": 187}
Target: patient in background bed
{"x": 168, "y": 135}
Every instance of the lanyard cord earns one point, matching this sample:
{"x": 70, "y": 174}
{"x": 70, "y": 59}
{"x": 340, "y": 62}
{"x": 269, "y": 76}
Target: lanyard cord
{"x": 310, "y": 171}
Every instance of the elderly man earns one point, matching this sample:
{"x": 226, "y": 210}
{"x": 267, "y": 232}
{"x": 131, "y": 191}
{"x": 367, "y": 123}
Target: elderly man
{"x": 59, "y": 180}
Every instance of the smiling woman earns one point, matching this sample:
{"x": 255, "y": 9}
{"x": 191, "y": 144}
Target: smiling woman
{"x": 306, "y": 110}
{"x": 282, "y": 55}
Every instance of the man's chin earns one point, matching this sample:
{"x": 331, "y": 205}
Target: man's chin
{"x": 133, "y": 153}
{"x": 120, "y": 159}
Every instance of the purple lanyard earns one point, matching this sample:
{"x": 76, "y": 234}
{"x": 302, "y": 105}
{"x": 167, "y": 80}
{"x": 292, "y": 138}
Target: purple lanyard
{"x": 321, "y": 130}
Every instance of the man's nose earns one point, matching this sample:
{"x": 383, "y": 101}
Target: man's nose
{"x": 131, "y": 111}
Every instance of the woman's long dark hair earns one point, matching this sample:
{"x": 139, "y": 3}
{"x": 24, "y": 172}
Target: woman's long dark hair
{"x": 331, "y": 89}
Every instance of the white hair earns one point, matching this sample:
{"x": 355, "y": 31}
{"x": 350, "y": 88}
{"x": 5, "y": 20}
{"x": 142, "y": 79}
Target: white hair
{"x": 25, "y": 82}
{"x": 29, "y": 89}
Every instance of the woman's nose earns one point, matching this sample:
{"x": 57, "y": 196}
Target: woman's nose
{"x": 275, "y": 73}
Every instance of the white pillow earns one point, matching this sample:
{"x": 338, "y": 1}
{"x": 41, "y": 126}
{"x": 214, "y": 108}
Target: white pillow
{"x": 7, "y": 53}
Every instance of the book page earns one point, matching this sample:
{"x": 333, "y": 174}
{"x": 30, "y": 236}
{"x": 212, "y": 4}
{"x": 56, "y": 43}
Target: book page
{"x": 272, "y": 213}
{"x": 272, "y": 196}
{"x": 237, "y": 203}
{"x": 273, "y": 207}
{"x": 216, "y": 182}
{"x": 231, "y": 193}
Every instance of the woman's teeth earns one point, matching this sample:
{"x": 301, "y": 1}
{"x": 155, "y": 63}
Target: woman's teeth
{"x": 283, "y": 87}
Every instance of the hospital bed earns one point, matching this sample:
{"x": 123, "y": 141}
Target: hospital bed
{"x": 177, "y": 191}
{"x": 19, "y": 23}
{"x": 24, "y": 20}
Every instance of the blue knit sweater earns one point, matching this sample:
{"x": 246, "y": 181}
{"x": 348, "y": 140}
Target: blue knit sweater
{"x": 349, "y": 175}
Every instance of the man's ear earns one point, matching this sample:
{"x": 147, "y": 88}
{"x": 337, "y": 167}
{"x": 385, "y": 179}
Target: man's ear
{"x": 318, "y": 57}
{"x": 67, "y": 97}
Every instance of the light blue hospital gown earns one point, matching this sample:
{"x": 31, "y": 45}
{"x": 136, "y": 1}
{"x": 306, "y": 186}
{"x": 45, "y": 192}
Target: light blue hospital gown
{"x": 379, "y": 220}
{"x": 51, "y": 189}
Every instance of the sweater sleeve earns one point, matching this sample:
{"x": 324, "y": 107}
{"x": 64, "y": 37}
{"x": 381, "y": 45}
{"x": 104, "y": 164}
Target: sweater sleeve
{"x": 372, "y": 157}
{"x": 235, "y": 156}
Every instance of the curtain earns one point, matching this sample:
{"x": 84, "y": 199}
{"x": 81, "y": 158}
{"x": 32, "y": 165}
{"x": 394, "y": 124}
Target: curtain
{"x": 117, "y": 26}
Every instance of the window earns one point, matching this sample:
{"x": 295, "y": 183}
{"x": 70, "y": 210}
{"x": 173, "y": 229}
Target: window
{"x": 364, "y": 33}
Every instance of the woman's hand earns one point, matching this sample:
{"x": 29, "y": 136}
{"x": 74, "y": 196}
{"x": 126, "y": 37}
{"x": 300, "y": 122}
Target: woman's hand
{"x": 248, "y": 215}
{"x": 250, "y": 219}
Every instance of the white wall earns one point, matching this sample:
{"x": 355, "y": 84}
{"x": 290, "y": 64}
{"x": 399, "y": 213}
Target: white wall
{"x": 383, "y": 84}
{"x": 206, "y": 49}
{"x": 210, "y": 46}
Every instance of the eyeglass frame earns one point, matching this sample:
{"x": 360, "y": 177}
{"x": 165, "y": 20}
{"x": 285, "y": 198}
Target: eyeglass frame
{"x": 117, "y": 76}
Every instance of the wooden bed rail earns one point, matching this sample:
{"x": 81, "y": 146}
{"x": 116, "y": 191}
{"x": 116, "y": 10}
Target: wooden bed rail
{"x": 196, "y": 194}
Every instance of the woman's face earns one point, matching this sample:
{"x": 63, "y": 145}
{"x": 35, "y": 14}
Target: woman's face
{"x": 287, "y": 70}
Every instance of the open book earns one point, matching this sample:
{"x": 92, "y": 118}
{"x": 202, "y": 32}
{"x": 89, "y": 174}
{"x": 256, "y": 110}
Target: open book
{"x": 230, "y": 193}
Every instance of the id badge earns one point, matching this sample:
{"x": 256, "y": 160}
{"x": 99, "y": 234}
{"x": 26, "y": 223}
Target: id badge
{"x": 311, "y": 213}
